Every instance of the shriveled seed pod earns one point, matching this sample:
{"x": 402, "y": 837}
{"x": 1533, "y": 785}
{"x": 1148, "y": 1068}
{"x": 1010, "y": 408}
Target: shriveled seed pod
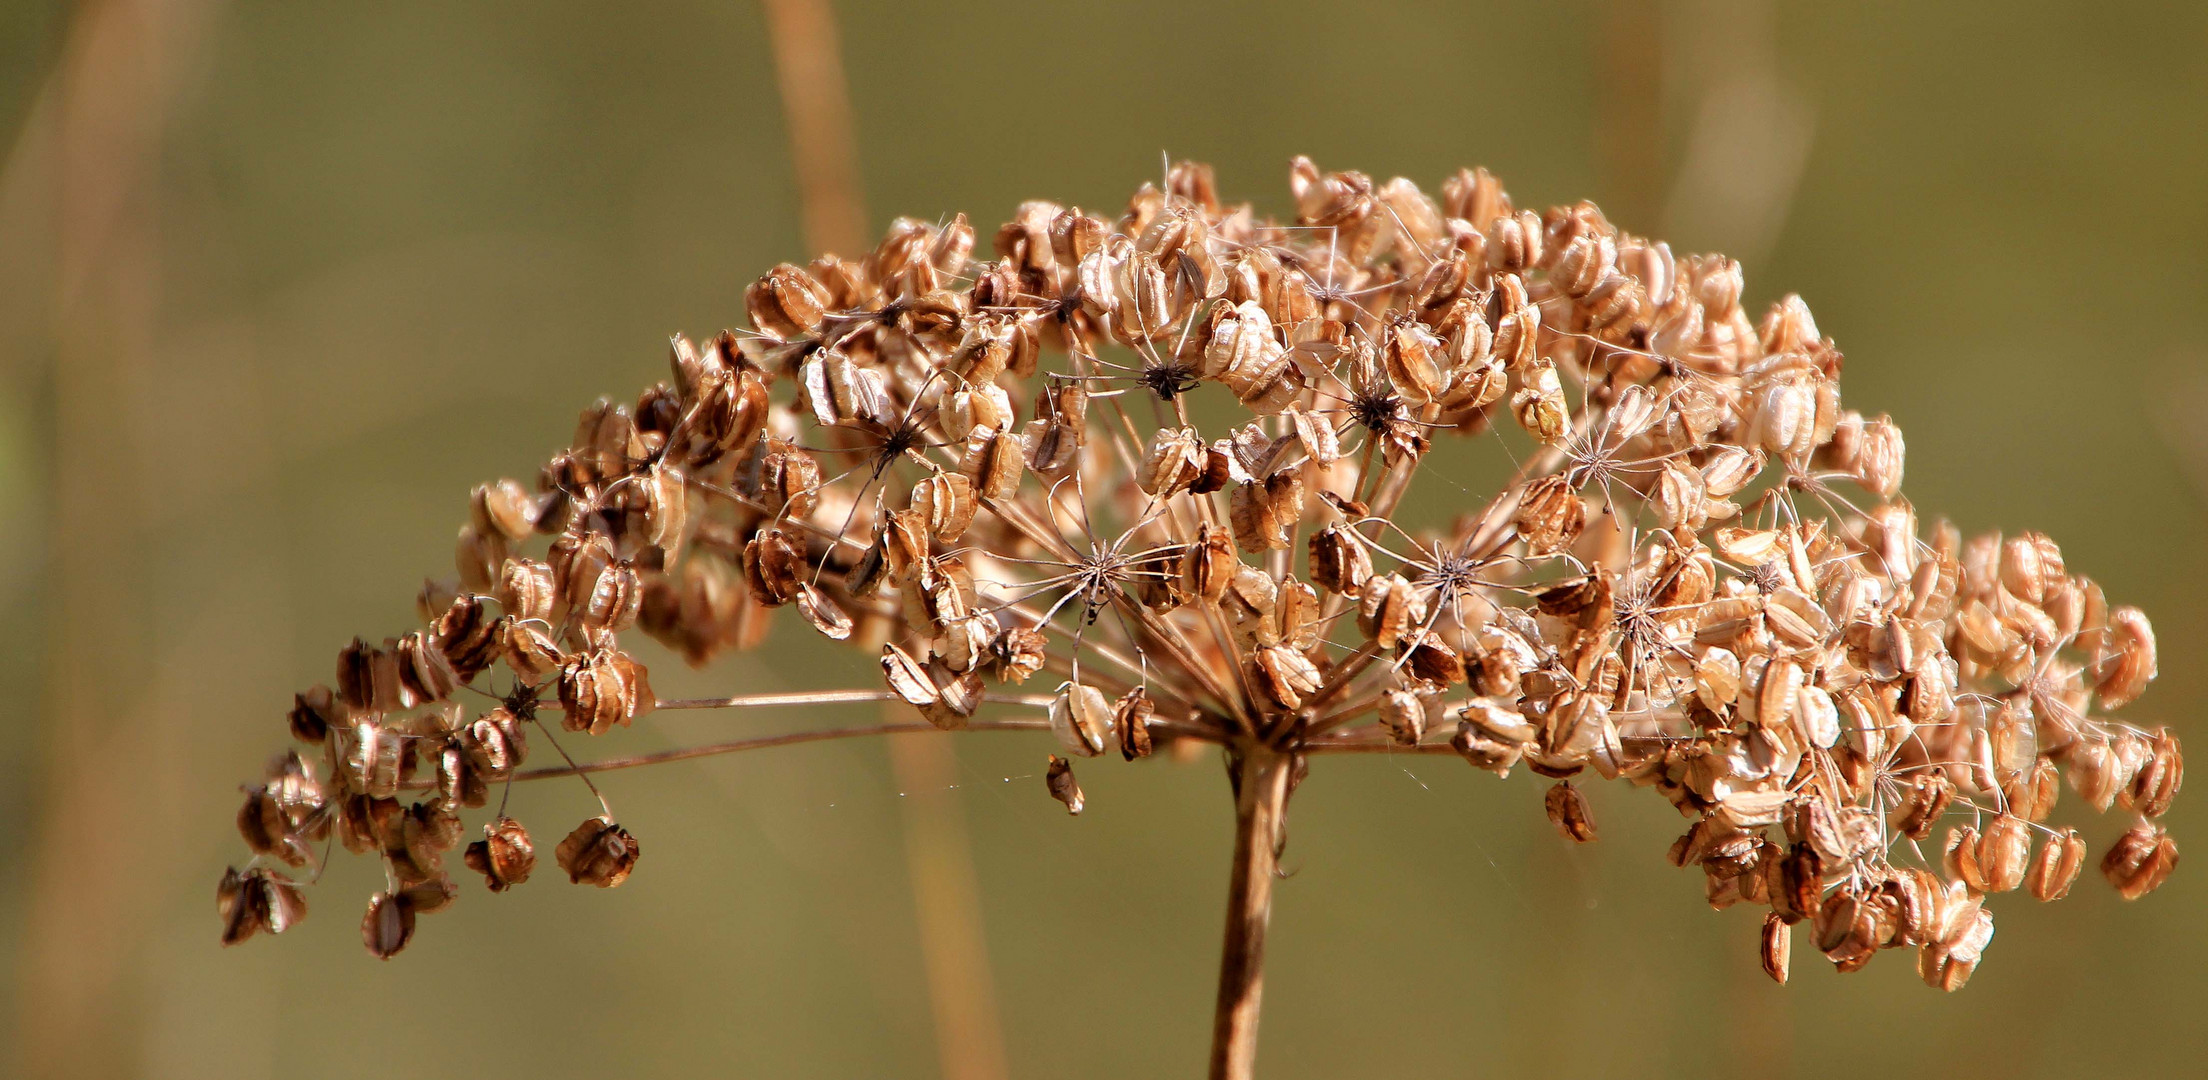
{"x": 1063, "y": 787}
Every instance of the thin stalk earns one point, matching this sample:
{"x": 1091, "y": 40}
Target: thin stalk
{"x": 685, "y": 753}
{"x": 1261, "y": 803}
{"x": 830, "y": 697}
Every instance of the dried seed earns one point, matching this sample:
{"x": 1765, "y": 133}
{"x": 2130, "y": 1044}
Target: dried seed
{"x": 1550, "y": 516}
{"x": 599, "y": 852}
{"x": 2056, "y": 866}
{"x": 1081, "y": 717}
{"x": 1568, "y": 811}
{"x": 1776, "y": 948}
{"x": 2140, "y": 860}
{"x": 388, "y": 925}
{"x": 1063, "y": 787}
{"x": 1131, "y": 716}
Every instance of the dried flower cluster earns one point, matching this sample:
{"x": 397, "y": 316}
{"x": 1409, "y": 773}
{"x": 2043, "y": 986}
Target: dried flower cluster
{"x": 1154, "y": 461}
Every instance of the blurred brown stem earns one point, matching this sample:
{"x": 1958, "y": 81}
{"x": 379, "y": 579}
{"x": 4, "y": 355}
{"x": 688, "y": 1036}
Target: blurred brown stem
{"x": 1260, "y": 802}
{"x": 816, "y": 105}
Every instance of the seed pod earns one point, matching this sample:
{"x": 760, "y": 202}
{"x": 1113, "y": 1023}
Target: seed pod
{"x": 1018, "y": 654}
{"x": 526, "y": 589}
{"x": 2157, "y": 782}
{"x": 1924, "y": 801}
{"x": 2122, "y": 671}
{"x": 1427, "y": 657}
{"x": 1568, "y": 811}
{"x": 614, "y": 600}
{"x": 2140, "y": 860}
{"x": 1284, "y": 676}
{"x": 774, "y": 567}
{"x": 2056, "y": 866}
{"x": 908, "y": 677}
{"x": 1387, "y": 610}
{"x": 1795, "y": 882}
{"x": 1404, "y": 715}
{"x": 470, "y": 638}
{"x": 1339, "y": 564}
{"x": 599, "y": 852}
{"x": 1540, "y": 407}
{"x": 786, "y": 302}
{"x": 504, "y": 856}
{"x": 1208, "y": 565}
{"x": 530, "y": 651}
{"x": 1063, "y": 787}
{"x": 1776, "y": 948}
{"x": 1131, "y": 719}
{"x": 2003, "y": 852}
{"x": 1483, "y": 750}
{"x": 1265, "y": 514}
{"x": 388, "y": 925}
{"x": 367, "y": 678}
{"x": 1315, "y": 435}
{"x": 1412, "y": 358}
{"x": 1961, "y": 858}
{"x": 1778, "y": 694}
{"x": 594, "y": 694}
{"x": 946, "y": 503}
{"x": 1175, "y": 460}
{"x": 1081, "y": 717}
{"x": 505, "y": 509}
{"x": 822, "y": 613}
{"x": 1550, "y": 516}
{"x": 993, "y": 461}
{"x": 313, "y": 713}
{"x": 257, "y": 900}
{"x": 495, "y": 744}
{"x": 477, "y": 555}
{"x": 1514, "y": 242}
{"x": 424, "y": 673}
{"x": 1059, "y": 431}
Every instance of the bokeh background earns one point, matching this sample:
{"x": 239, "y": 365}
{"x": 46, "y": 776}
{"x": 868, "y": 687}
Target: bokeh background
{"x": 280, "y": 281}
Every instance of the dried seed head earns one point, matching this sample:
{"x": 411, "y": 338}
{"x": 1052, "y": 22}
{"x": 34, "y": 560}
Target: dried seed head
{"x": 1757, "y": 650}
{"x": 1568, "y": 812}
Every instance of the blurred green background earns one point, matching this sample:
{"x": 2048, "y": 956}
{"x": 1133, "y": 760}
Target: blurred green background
{"x": 280, "y": 281}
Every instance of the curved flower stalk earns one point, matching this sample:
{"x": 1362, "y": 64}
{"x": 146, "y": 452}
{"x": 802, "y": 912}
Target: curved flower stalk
{"x": 1137, "y": 478}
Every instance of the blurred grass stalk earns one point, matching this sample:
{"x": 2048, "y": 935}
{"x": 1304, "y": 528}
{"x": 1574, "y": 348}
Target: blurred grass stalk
{"x": 946, "y": 898}
{"x": 96, "y": 135}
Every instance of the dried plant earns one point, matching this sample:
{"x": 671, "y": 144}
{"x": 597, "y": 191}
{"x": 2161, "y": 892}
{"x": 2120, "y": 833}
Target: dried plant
{"x": 1701, "y": 578}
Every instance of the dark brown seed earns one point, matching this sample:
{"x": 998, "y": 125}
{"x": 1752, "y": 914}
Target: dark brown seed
{"x": 1063, "y": 787}
{"x": 1131, "y": 719}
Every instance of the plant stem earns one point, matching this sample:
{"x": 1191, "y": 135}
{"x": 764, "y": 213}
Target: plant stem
{"x": 1261, "y": 802}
